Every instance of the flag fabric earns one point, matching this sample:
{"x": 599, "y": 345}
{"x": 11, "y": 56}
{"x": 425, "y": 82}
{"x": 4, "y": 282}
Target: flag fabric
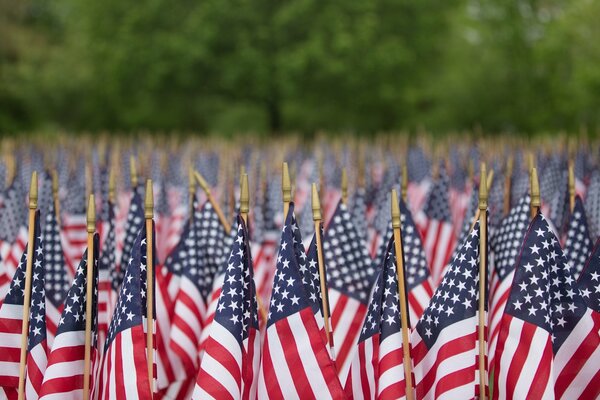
{"x": 230, "y": 362}
{"x": 445, "y": 342}
{"x": 578, "y": 245}
{"x": 65, "y": 372}
{"x": 295, "y": 361}
{"x": 13, "y": 235}
{"x": 124, "y": 370}
{"x": 74, "y": 220}
{"x": 204, "y": 256}
{"x": 377, "y": 370}
{"x": 505, "y": 245}
{"x": 133, "y": 225}
{"x": 107, "y": 264}
{"x": 592, "y": 203}
{"x": 56, "y": 273}
{"x": 11, "y": 319}
{"x": 435, "y": 224}
{"x": 548, "y": 339}
{"x": 349, "y": 275}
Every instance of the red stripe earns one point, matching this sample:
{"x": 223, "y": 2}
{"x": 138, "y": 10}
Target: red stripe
{"x": 391, "y": 360}
{"x": 34, "y": 374}
{"x": 120, "y": 353}
{"x": 212, "y": 386}
{"x": 455, "y": 379}
{"x": 577, "y": 360}
{"x": 592, "y": 390}
{"x": 268, "y": 371}
{"x": 452, "y": 348}
{"x": 292, "y": 358}
{"x": 353, "y": 332}
{"x": 224, "y": 357}
{"x": 319, "y": 350}
{"x": 520, "y": 357}
{"x": 542, "y": 374}
{"x": 247, "y": 364}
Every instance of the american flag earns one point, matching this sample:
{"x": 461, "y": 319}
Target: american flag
{"x": 578, "y": 244}
{"x": 11, "y": 319}
{"x": 107, "y": 295}
{"x": 124, "y": 370}
{"x": 349, "y": 274}
{"x": 547, "y": 337}
{"x": 435, "y": 224}
{"x": 56, "y": 273}
{"x": 376, "y": 370}
{"x": 205, "y": 253}
{"x": 65, "y": 372}
{"x": 505, "y": 245}
{"x": 74, "y": 221}
{"x": 13, "y": 235}
{"x": 418, "y": 280}
{"x": 133, "y": 224}
{"x": 592, "y": 204}
{"x": 295, "y": 360}
{"x": 229, "y": 365}
{"x": 444, "y": 342}
{"x": 168, "y": 279}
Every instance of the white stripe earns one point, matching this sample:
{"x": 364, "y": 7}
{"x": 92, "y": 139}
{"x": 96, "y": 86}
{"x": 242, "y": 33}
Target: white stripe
{"x": 395, "y": 374}
{"x": 183, "y": 341}
{"x": 307, "y": 357}
{"x": 200, "y": 394}
{"x": 127, "y": 350}
{"x": 11, "y": 311}
{"x": 74, "y": 394}
{"x": 64, "y": 369}
{"x": 222, "y": 374}
{"x": 282, "y": 369}
{"x": 531, "y": 364}
{"x": 370, "y": 370}
{"x": 341, "y": 332}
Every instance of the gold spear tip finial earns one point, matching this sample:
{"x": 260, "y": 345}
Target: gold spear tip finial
{"x": 54, "y": 182}
{"x": 571, "y": 179}
{"x": 404, "y": 182}
{"x": 91, "y": 215}
{"x": 535, "y": 188}
{"x": 149, "y": 201}
{"x": 133, "y": 171}
{"x": 316, "y": 204}
{"x": 244, "y": 195}
{"x": 111, "y": 186}
{"x": 201, "y": 181}
{"x": 344, "y": 185}
{"x": 33, "y": 191}
{"x": 490, "y": 180}
{"x": 286, "y": 186}
{"x": 483, "y": 188}
{"x": 395, "y": 210}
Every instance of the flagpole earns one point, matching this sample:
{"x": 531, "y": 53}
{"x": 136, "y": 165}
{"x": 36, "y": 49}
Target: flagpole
{"x": 483, "y": 203}
{"x": 396, "y": 225}
{"x": 535, "y": 192}
{"x": 91, "y": 228}
{"x": 286, "y": 189}
{"x": 571, "y": 186}
{"x": 317, "y": 217}
{"x": 508, "y": 184}
{"x": 33, "y": 200}
{"x": 149, "y": 216}
{"x": 133, "y": 172}
{"x": 212, "y": 201}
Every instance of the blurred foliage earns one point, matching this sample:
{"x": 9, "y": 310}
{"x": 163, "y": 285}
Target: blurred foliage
{"x": 299, "y": 65}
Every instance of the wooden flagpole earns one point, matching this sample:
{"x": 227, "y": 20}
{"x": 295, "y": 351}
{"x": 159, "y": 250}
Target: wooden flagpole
{"x": 483, "y": 203}
{"x": 149, "y": 216}
{"x": 33, "y": 202}
{"x": 344, "y": 186}
{"x": 91, "y": 228}
{"x": 396, "y": 225}
{"x": 317, "y": 217}
{"x": 535, "y": 192}
{"x": 112, "y": 186}
{"x": 286, "y": 190}
{"x": 571, "y": 186}
{"x": 212, "y": 201}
